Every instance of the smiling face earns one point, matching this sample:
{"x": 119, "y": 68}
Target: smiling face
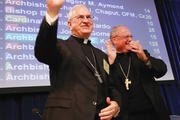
{"x": 80, "y": 22}
{"x": 121, "y": 37}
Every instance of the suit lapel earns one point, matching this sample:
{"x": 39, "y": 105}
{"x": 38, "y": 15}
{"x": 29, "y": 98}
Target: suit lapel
{"x": 77, "y": 50}
{"x": 100, "y": 64}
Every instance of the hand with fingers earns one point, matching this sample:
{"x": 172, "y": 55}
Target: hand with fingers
{"x": 109, "y": 112}
{"x": 110, "y": 52}
{"x": 53, "y": 7}
{"x": 137, "y": 48}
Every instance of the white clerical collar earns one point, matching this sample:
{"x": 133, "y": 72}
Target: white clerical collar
{"x": 85, "y": 40}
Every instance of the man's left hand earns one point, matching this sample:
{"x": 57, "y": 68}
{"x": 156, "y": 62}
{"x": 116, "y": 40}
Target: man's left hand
{"x": 137, "y": 48}
{"x": 110, "y": 111}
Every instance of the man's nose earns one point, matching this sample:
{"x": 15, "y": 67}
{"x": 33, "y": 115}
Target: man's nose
{"x": 129, "y": 39}
{"x": 85, "y": 19}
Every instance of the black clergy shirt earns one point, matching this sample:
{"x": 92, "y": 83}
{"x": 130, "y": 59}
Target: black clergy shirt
{"x": 88, "y": 51}
{"x": 137, "y": 99}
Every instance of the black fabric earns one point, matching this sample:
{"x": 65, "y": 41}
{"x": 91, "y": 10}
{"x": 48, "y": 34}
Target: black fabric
{"x": 88, "y": 51}
{"x": 144, "y": 115}
{"x": 136, "y": 94}
{"x": 144, "y": 94}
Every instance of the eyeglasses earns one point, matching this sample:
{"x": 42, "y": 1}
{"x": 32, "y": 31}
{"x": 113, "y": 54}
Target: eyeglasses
{"x": 82, "y": 17}
{"x": 125, "y": 37}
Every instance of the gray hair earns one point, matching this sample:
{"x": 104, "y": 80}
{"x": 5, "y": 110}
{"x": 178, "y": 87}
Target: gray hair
{"x": 115, "y": 31}
{"x": 71, "y": 12}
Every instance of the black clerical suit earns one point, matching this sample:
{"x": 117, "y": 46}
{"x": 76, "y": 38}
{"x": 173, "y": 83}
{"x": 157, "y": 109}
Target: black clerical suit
{"x": 143, "y": 99}
{"x": 76, "y": 93}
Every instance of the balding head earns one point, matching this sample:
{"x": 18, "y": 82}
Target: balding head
{"x": 118, "y": 30}
{"x": 121, "y": 37}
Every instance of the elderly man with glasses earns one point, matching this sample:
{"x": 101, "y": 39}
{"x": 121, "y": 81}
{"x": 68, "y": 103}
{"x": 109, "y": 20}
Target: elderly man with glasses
{"x": 78, "y": 71}
{"x": 135, "y": 70}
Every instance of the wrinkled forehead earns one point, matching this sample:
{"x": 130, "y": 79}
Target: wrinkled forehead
{"x": 80, "y": 10}
{"x": 123, "y": 31}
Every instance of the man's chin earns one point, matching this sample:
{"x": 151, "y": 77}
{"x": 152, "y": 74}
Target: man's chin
{"x": 87, "y": 32}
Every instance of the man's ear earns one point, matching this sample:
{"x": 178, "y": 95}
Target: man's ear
{"x": 69, "y": 25}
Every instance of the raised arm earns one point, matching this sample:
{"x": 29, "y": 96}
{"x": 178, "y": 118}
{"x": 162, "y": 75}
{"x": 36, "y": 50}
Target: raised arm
{"x": 46, "y": 41}
{"x": 110, "y": 52}
{"x": 53, "y": 7}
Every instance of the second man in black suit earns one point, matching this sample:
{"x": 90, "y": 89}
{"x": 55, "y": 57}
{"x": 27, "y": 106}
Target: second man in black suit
{"x": 133, "y": 70}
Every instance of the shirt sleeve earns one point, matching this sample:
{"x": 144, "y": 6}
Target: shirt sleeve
{"x": 50, "y": 20}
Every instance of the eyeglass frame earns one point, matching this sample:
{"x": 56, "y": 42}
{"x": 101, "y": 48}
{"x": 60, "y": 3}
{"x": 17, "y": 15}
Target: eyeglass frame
{"x": 125, "y": 37}
{"x": 82, "y": 17}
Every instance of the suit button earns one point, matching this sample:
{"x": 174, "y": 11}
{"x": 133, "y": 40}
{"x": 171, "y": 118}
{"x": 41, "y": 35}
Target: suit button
{"x": 94, "y": 103}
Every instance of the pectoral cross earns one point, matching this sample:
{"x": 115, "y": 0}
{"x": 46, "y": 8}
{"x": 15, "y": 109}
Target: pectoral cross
{"x": 96, "y": 73}
{"x": 127, "y": 82}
